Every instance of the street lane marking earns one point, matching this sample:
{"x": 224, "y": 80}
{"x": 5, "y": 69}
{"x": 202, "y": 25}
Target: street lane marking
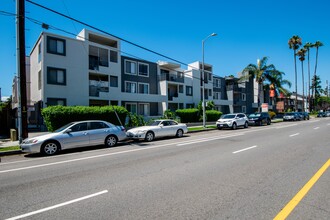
{"x": 316, "y": 128}
{"x": 208, "y": 139}
{"x": 235, "y": 152}
{"x": 292, "y": 135}
{"x": 57, "y": 206}
{"x": 300, "y": 195}
{"x": 280, "y": 127}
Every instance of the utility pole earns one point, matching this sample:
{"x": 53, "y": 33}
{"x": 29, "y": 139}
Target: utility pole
{"x": 21, "y": 70}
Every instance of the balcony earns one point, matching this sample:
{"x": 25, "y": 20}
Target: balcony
{"x": 95, "y": 87}
{"x": 178, "y": 77}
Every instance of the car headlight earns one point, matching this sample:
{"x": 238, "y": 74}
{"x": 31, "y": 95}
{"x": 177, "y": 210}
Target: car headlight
{"x": 31, "y": 141}
{"x": 141, "y": 132}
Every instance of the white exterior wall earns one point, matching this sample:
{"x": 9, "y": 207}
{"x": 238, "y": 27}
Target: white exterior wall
{"x": 35, "y": 67}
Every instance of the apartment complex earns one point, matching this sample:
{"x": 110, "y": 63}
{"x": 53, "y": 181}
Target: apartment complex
{"x": 89, "y": 70}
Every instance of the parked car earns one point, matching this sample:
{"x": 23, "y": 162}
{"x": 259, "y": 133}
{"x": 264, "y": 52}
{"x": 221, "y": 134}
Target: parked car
{"x": 259, "y": 118}
{"x": 232, "y": 121}
{"x": 327, "y": 113}
{"x": 304, "y": 115}
{"x": 75, "y": 134}
{"x": 321, "y": 114}
{"x": 158, "y": 128}
{"x": 291, "y": 116}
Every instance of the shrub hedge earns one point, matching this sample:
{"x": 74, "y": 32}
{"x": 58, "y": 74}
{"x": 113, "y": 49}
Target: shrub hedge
{"x": 212, "y": 115}
{"x": 57, "y": 116}
{"x": 188, "y": 115}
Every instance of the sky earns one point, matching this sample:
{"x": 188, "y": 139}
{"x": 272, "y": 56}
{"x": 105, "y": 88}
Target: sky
{"x": 247, "y": 30}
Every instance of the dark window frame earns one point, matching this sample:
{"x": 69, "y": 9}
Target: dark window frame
{"x": 55, "y": 83}
{"x": 49, "y": 50}
{"x": 55, "y": 99}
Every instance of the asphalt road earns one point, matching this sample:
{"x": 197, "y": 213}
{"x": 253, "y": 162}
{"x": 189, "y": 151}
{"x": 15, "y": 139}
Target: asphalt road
{"x": 243, "y": 174}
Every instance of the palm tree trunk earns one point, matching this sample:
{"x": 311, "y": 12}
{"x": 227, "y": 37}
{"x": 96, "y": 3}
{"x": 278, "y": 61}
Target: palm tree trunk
{"x": 295, "y": 76}
{"x": 314, "y": 86}
{"x": 303, "y": 95}
{"x": 309, "y": 83}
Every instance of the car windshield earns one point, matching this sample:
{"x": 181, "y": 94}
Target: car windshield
{"x": 254, "y": 115}
{"x": 228, "y": 116}
{"x": 64, "y": 127}
{"x": 154, "y": 123}
{"x": 290, "y": 113}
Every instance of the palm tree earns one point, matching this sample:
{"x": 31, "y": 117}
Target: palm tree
{"x": 294, "y": 44}
{"x": 316, "y": 83}
{"x": 277, "y": 83}
{"x": 316, "y": 45}
{"x": 307, "y": 46}
{"x": 275, "y": 79}
{"x": 302, "y": 53}
{"x": 258, "y": 72}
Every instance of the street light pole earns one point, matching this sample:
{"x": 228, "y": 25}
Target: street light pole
{"x": 203, "y": 78}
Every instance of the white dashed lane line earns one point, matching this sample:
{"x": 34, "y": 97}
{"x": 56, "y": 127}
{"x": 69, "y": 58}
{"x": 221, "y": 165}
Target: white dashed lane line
{"x": 245, "y": 149}
{"x": 292, "y": 135}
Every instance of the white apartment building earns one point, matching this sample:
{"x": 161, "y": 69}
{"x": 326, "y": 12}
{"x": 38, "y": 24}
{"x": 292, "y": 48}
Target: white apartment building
{"x": 90, "y": 71}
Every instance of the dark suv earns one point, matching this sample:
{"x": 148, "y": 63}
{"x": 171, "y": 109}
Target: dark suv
{"x": 259, "y": 118}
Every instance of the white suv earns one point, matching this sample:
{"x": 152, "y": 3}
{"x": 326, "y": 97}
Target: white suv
{"x": 233, "y": 121}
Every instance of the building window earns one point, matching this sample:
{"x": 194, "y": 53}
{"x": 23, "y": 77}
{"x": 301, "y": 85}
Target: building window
{"x": 39, "y": 80}
{"x": 98, "y": 57}
{"x": 144, "y": 88}
{"x": 113, "y": 56}
{"x": 56, "y": 76}
{"x": 180, "y": 88}
{"x": 144, "y": 109}
{"x": 131, "y": 107}
{"x": 181, "y": 105}
{"x": 130, "y": 87}
{"x": 243, "y": 97}
{"x": 113, "y": 81}
{"x": 130, "y": 67}
{"x": 39, "y": 53}
{"x": 143, "y": 69}
{"x": 244, "y": 109}
{"x": 210, "y": 76}
{"x": 190, "y": 105}
{"x": 216, "y": 83}
{"x": 55, "y": 46}
{"x": 210, "y": 92}
{"x": 56, "y": 101}
{"x": 189, "y": 90}
{"x": 216, "y": 95}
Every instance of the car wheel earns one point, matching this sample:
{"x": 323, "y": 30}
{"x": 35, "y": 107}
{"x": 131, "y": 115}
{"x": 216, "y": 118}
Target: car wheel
{"x": 234, "y": 126}
{"x": 269, "y": 122}
{"x": 149, "y": 136}
{"x": 111, "y": 141}
{"x": 50, "y": 148}
{"x": 220, "y": 128}
{"x": 179, "y": 133}
{"x": 246, "y": 125}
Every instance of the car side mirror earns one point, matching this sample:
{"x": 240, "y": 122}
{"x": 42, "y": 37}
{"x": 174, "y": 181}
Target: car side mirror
{"x": 161, "y": 125}
{"x": 68, "y": 130}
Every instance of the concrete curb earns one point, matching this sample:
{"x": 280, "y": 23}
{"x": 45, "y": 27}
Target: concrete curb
{"x": 11, "y": 152}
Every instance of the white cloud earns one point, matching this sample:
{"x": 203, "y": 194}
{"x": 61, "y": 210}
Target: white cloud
{"x": 4, "y": 98}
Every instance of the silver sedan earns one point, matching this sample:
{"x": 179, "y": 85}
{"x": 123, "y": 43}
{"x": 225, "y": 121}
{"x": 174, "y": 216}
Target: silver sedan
{"x": 75, "y": 134}
{"x": 158, "y": 128}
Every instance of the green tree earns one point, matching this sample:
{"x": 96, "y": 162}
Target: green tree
{"x": 260, "y": 73}
{"x": 307, "y": 46}
{"x": 294, "y": 44}
{"x": 316, "y": 45}
{"x": 275, "y": 80}
{"x": 302, "y": 53}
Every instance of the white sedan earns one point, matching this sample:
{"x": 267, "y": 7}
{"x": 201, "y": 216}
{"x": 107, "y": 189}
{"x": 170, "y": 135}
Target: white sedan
{"x": 158, "y": 128}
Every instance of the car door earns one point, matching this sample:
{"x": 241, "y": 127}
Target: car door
{"x": 165, "y": 129}
{"x": 240, "y": 120}
{"x": 77, "y": 137}
{"x": 98, "y": 131}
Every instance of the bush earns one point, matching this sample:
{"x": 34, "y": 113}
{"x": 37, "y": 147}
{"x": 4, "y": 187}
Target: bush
{"x": 57, "y": 116}
{"x": 168, "y": 114}
{"x": 212, "y": 115}
{"x": 271, "y": 114}
{"x": 135, "y": 120}
{"x": 188, "y": 115}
